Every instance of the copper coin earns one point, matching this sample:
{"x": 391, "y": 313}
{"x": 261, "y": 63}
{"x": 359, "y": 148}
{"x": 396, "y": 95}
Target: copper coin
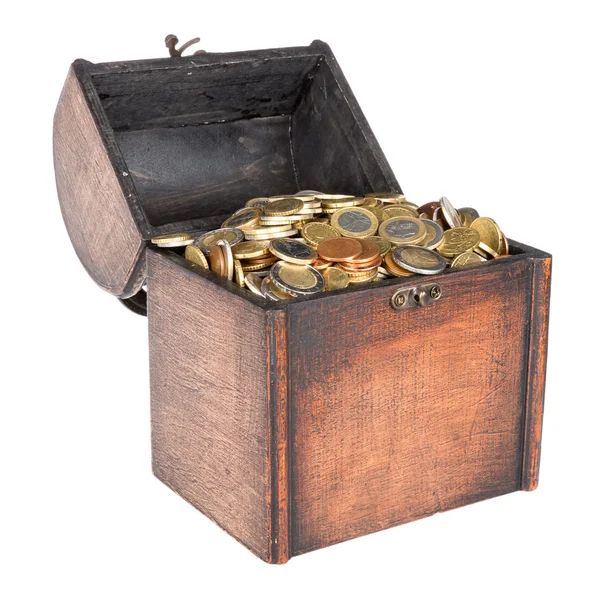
{"x": 321, "y": 264}
{"x": 216, "y": 259}
{"x": 339, "y": 249}
{"x": 428, "y": 209}
{"x": 370, "y": 252}
{"x": 353, "y": 268}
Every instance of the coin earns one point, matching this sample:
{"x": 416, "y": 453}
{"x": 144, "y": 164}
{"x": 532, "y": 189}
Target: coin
{"x": 228, "y": 259}
{"x": 339, "y": 249}
{"x": 489, "y": 232}
{"x": 393, "y": 268}
{"x": 467, "y": 259}
{"x": 400, "y": 211}
{"x": 450, "y": 213}
{"x": 172, "y": 240}
{"x": 504, "y": 247}
{"x": 370, "y": 252}
{"x": 272, "y": 235}
{"x": 332, "y": 197}
{"x": 297, "y": 279}
{"x": 244, "y": 219}
{"x": 314, "y": 233}
{"x": 428, "y": 209}
{"x": 335, "y": 279}
{"x": 470, "y": 211}
{"x": 352, "y": 201}
{"x": 259, "y": 264}
{"x": 293, "y": 251}
{"x": 354, "y": 222}
{"x": 418, "y": 260}
{"x": 216, "y": 260}
{"x": 207, "y": 240}
{"x": 251, "y": 249}
{"x": 434, "y": 236}
{"x": 195, "y": 255}
{"x": 403, "y": 230}
{"x": 238, "y": 273}
{"x": 266, "y": 220}
{"x": 253, "y": 283}
{"x": 363, "y": 277}
{"x": 387, "y": 197}
{"x": 458, "y": 240}
{"x": 384, "y": 245}
{"x": 359, "y": 267}
{"x": 272, "y": 292}
{"x": 258, "y": 202}
{"x": 268, "y": 229}
{"x": 483, "y": 246}
{"x": 283, "y": 207}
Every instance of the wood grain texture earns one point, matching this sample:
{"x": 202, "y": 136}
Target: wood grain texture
{"x": 98, "y": 219}
{"x": 209, "y": 381}
{"x": 536, "y": 367}
{"x": 396, "y": 415}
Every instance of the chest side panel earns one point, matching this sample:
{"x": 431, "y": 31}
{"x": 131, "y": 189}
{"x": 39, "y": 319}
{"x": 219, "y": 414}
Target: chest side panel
{"x": 209, "y": 385}
{"x": 396, "y": 415}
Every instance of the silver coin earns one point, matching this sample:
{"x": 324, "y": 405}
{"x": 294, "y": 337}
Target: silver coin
{"x": 307, "y": 193}
{"x": 286, "y": 277}
{"x": 450, "y": 213}
{"x": 272, "y": 293}
{"x": 292, "y": 250}
{"x": 471, "y": 211}
{"x": 400, "y": 228}
{"x": 253, "y": 283}
{"x": 417, "y": 259}
{"x": 354, "y": 221}
{"x": 210, "y": 238}
{"x": 439, "y": 234}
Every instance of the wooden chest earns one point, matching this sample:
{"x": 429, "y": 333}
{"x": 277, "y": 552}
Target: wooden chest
{"x": 298, "y": 424}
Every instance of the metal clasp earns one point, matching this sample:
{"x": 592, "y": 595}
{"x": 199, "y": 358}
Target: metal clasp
{"x": 419, "y": 295}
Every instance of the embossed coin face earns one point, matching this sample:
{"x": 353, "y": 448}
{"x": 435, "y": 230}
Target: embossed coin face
{"x": 354, "y": 222}
{"x": 370, "y": 253}
{"x": 195, "y": 255}
{"x": 403, "y": 230}
{"x": 458, "y": 240}
{"x": 467, "y": 259}
{"x": 335, "y": 279}
{"x": 251, "y": 249}
{"x": 450, "y": 213}
{"x": 293, "y": 251}
{"x": 339, "y": 249}
{"x": 384, "y": 245}
{"x": 297, "y": 279}
{"x": 283, "y": 207}
{"x": 434, "y": 235}
{"x": 418, "y": 260}
{"x": 315, "y": 233}
{"x": 400, "y": 211}
{"x": 232, "y": 236}
{"x": 244, "y": 219}
{"x": 489, "y": 232}
{"x": 258, "y": 202}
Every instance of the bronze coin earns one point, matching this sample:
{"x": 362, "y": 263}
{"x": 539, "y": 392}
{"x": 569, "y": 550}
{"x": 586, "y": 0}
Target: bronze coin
{"x": 428, "y": 209}
{"x": 216, "y": 259}
{"x": 370, "y": 252}
{"x": 321, "y": 264}
{"x": 354, "y": 268}
{"x": 339, "y": 249}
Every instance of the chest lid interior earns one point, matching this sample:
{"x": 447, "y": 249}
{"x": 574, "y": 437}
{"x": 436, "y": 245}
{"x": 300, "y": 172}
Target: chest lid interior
{"x": 149, "y": 147}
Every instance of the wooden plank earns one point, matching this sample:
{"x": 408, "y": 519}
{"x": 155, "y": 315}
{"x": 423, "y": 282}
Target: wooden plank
{"x": 536, "y": 379}
{"x": 209, "y": 382}
{"x": 396, "y": 415}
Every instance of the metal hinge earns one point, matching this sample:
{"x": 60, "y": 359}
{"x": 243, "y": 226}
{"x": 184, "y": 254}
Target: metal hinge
{"x": 419, "y": 295}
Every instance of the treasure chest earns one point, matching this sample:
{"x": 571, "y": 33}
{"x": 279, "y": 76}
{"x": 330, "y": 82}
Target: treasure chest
{"x": 306, "y": 422}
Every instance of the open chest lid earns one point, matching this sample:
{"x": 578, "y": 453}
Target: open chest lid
{"x": 150, "y": 147}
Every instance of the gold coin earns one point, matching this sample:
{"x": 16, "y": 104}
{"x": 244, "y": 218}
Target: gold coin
{"x": 253, "y": 283}
{"x": 458, "y": 240}
{"x": 251, "y": 249}
{"x": 230, "y": 235}
{"x": 315, "y": 233}
{"x": 321, "y": 265}
{"x": 269, "y": 229}
{"x": 335, "y": 279}
{"x": 259, "y": 265}
{"x": 239, "y": 272}
{"x": 272, "y": 235}
{"x": 332, "y": 197}
{"x": 258, "y": 202}
{"x": 403, "y": 230}
{"x": 363, "y": 276}
{"x": 354, "y": 201}
{"x": 195, "y": 255}
{"x": 272, "y": 292}
{"x": 173, "y": 240}
{"x": 293, "y": 251}
{"x": 504, "y": 246}
{"x": 354, "y": 222}
{"x": 400, "y": 211}
{"x": 392, "y": 268}
{"x": 483, "y": 246}
{"x": 434, "y": 236}
{"x": 297, "y": 279}
{"x": 489, "y": 232}
{"x": 466, "y": 218}
{"x": 384, "y": 245}
{"x": 283, "y": 207}
{"x": 388, "y": 197}
{"x": 467, "y": 259}
{"x": 264, "y": 220}
{"x": 377, "y": 211}
{"x": 246, "y": 218}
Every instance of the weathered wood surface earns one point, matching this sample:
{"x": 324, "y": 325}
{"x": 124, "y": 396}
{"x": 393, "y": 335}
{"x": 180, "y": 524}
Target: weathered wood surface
{"x": 210, "y": 394}
{"x": 100, "y": 224}
{"x": 396, "y": 415}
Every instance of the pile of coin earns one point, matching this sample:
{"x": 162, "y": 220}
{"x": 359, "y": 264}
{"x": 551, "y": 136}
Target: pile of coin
{"x": 281, "y": 247}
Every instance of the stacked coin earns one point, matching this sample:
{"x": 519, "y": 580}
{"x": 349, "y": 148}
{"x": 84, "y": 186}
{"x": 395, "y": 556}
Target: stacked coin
{"x": 286, "y": 246}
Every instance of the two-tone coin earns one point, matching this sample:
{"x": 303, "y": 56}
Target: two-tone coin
{"x": 258, "y": 202}
{"x": 272, "y": 292}
{"x": 392, "y": 268}
{"x": 230, "y": 235}
{"x": 229, "y": 265}
{"x": 293, "y": 251}
{"x": 245, "y": 218}
{"x": 297, "y": 279}
{"x": 253, "y": 283}
{"x": 418, "y": 260}
{"x": 403, "y": 230}
{"x": 354, "y": 222}
{"x": 450, "y": 213}
{"x": 434, "y": 235}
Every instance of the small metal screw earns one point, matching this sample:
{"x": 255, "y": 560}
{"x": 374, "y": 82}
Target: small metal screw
{"x": 400, "y": 299}
{"x": 435, "y": 292}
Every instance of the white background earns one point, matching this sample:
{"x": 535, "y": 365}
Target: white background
{"x": 493, "y": 104}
